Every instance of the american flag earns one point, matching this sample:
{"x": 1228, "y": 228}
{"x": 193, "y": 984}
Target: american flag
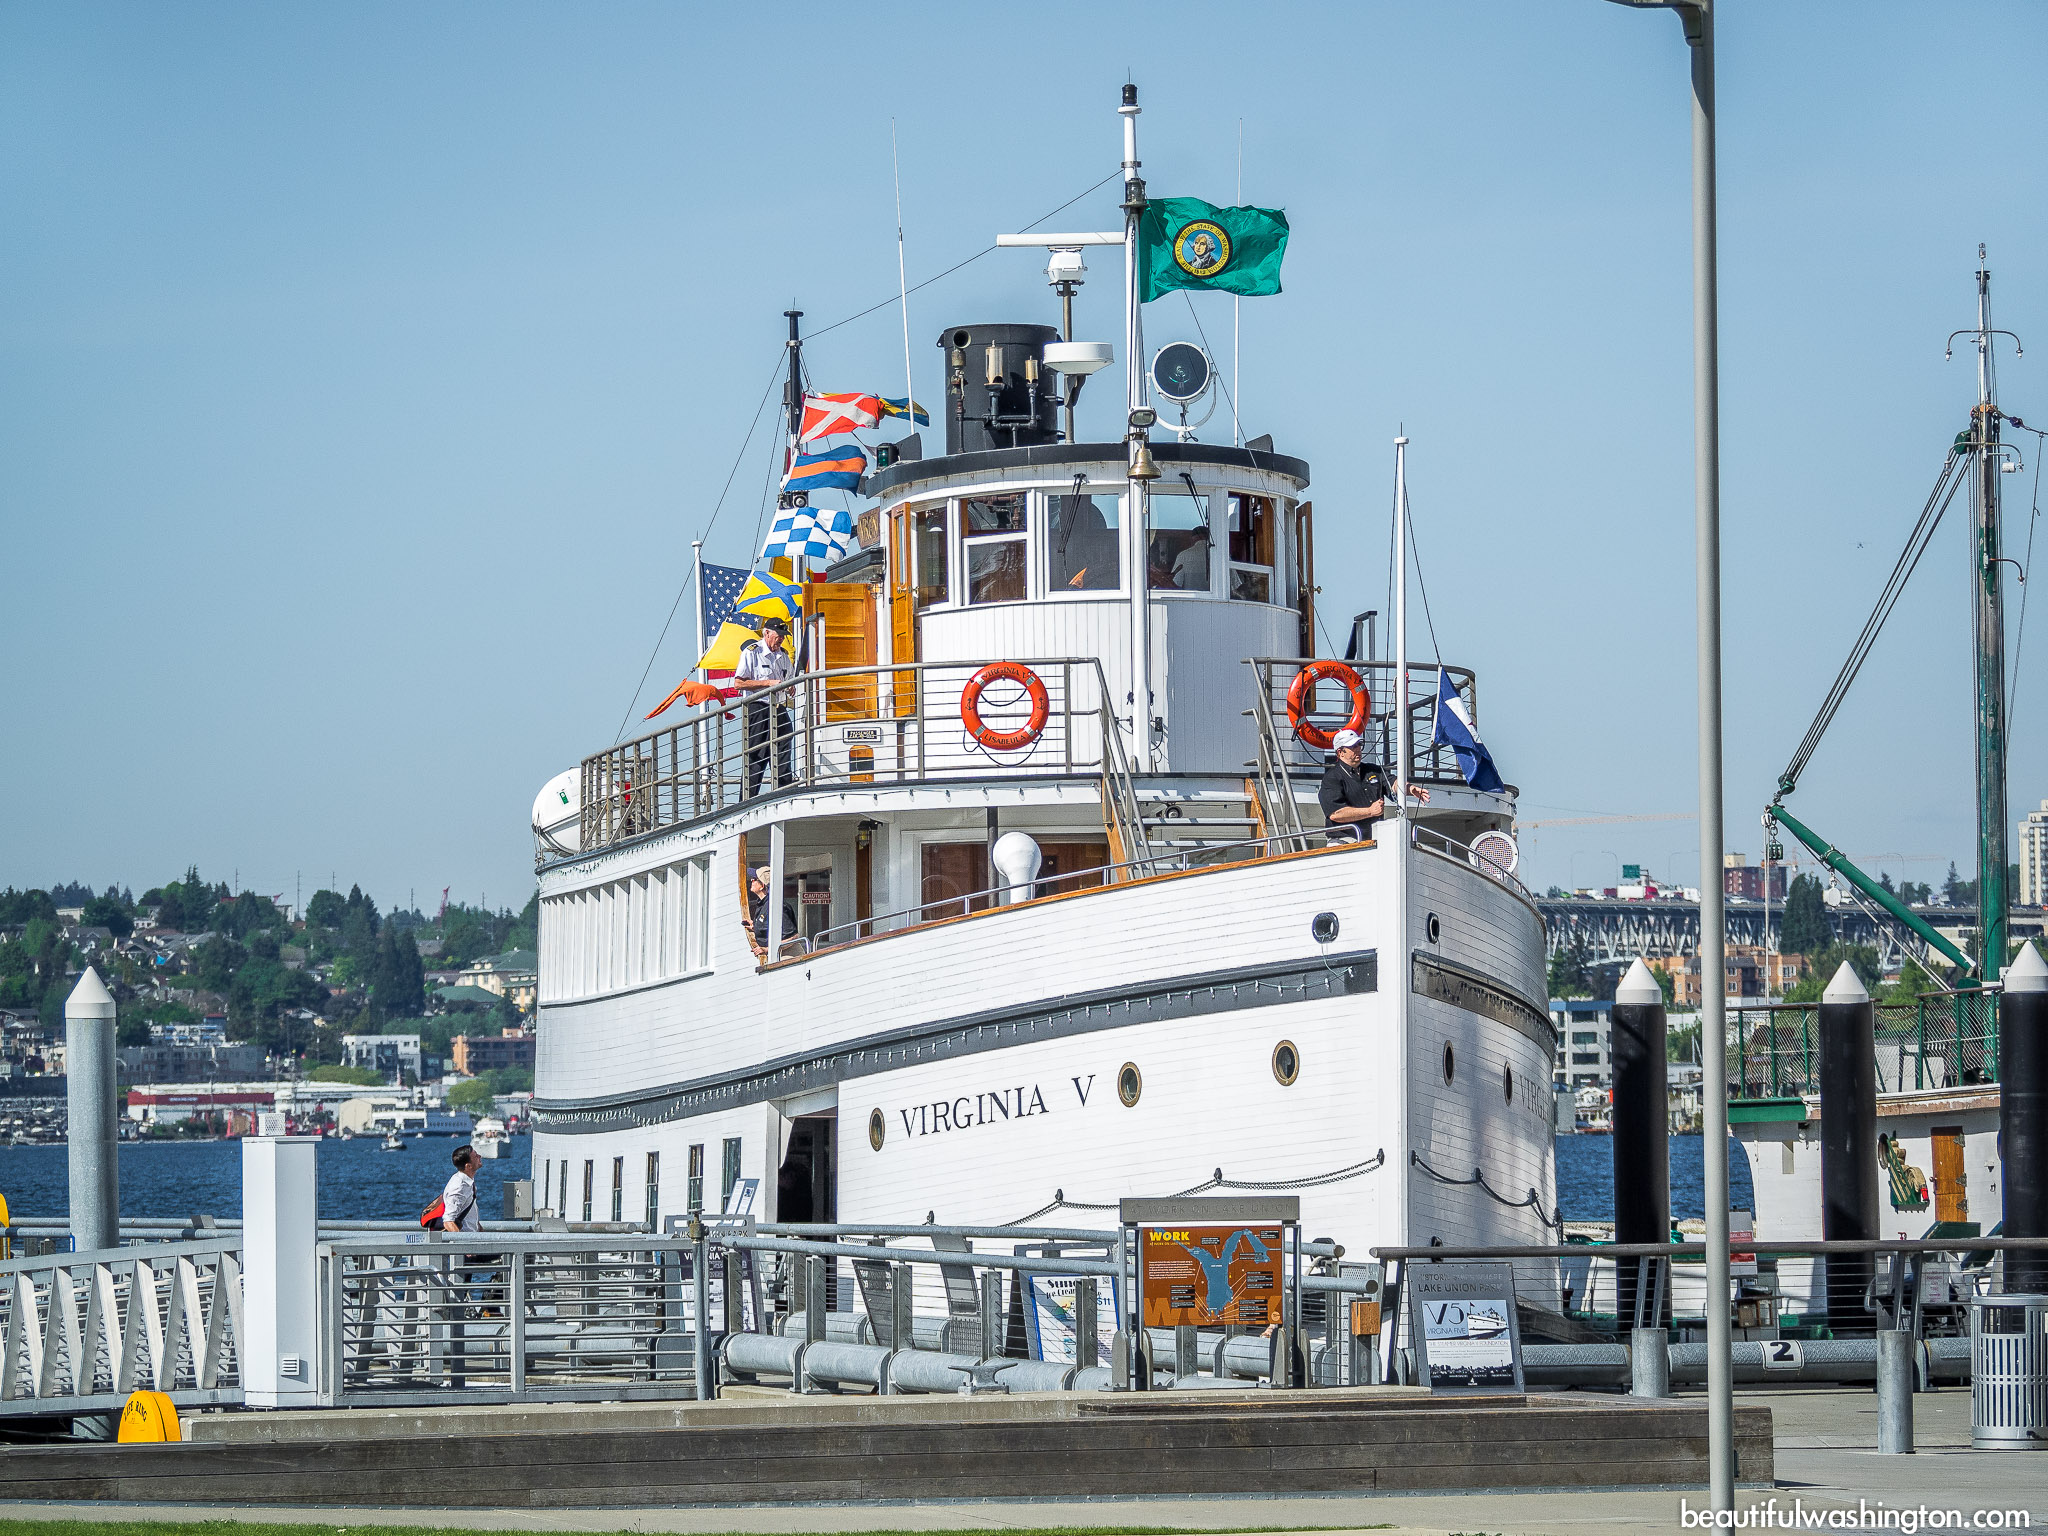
{"x": 719, "y": 590}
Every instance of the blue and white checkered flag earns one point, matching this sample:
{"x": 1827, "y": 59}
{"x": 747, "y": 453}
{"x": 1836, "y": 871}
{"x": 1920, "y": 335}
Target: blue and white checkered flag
{"x": 816, "y": 533}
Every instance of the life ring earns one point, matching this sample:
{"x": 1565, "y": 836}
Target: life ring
{"x": 1301, "y": 697}
{"x": 970, "y": 706}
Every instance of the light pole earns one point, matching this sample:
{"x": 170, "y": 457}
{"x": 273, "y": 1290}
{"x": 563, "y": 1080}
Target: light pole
{"x": 1698, "y": 20}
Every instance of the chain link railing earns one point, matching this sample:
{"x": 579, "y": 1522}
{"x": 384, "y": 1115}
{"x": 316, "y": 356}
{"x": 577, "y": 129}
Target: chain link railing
{"x": 1934, "y": 1040}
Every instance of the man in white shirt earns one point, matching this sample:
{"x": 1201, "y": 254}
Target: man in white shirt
{"x": 458, "y": 1197}
{"x": 459, "y": 1214}
{"x": 764, "y": 664}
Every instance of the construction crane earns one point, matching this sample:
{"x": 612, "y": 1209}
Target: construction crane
{"x": 1594, "y": 821}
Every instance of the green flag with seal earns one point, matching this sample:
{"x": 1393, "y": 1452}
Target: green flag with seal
{"x": 1184, "y": 242}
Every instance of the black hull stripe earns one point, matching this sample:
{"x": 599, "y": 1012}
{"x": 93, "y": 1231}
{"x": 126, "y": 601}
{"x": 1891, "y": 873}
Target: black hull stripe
{"x": 996, "y": 1029}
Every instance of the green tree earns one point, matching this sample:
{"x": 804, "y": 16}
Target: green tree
{"x": 216, "y": 961}
{"x": 359, "y": 924}
{"x": 473, "y": 1095}
{"x": 111, "y": 913}
{"x": 1862, "y": 959}
{"x": 334, "y": 1072}
{"x": 397, "y": 976}
{"x": 326, "y": 909}
{"x": 525, "y": 930}
{"x": 19, "y": 908}
{"x": 1571, "y": 970}
{"x": 1806, "y": 928}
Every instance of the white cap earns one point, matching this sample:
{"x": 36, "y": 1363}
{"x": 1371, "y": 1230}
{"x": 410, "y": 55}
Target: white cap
{"x": 1345, "y": 739}
{"x": 1638, "y": 987}
{"x": 1847, "y": 987}
{"x": 2027, "y": 973}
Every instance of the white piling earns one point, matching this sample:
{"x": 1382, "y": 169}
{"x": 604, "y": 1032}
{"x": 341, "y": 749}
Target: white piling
{"x": 89, "y": 1097}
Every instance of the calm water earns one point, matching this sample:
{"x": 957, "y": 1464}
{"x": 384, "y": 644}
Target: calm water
{"x": 359, "y": 1182}
{"x": 1585, "y": 1178}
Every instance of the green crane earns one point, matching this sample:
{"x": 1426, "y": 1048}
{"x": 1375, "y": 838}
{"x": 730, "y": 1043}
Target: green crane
{"x": 1975, "y": 458}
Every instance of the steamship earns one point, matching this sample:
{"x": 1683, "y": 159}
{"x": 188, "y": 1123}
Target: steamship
{"x": 1054, "y": 918}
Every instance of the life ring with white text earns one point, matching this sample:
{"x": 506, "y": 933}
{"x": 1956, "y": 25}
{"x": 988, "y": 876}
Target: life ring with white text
{"x": 1301, "y": 697}
{"x": 970, "y": 706}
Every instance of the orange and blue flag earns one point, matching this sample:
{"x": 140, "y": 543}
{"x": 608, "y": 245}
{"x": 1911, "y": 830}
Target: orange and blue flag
{"x": 833, "y": 469}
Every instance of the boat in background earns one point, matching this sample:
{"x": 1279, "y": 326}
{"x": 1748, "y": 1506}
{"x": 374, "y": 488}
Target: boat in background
{"x": 488, "y": 1139}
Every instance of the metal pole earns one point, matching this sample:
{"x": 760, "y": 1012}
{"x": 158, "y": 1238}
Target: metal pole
{"x": 1138, "y": 512}
{"x": 1404, "y": 746}
{"x": 89, "y": 1107}
{"x": 1895, "y": 1393}
{"x": 1988, "y": 614}
{"x": 700, "y": 1304}
{"x": 1699, "y": 33}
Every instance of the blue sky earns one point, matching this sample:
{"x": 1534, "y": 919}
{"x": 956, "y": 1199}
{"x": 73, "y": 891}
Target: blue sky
{"x": 366, "y": 371}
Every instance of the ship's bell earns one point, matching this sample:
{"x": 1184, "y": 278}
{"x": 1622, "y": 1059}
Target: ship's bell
{"x": 1142, "y": 466}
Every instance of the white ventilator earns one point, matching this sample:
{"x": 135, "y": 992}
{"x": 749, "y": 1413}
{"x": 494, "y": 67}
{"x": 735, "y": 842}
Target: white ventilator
{"x": 1017, "y": 860}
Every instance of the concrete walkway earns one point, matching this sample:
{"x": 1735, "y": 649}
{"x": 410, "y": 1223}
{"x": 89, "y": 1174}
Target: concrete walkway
{"x": 1826, "y": 1458}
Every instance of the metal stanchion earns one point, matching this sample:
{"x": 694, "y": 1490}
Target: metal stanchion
{"x": 1895, "y": 1349}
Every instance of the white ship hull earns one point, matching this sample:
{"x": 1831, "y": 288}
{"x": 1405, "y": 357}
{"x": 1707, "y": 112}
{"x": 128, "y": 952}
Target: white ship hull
{"x": 988, "y": 1049}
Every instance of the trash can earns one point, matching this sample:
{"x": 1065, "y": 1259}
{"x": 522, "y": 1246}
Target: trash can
{"x": 2009, "y": 1373}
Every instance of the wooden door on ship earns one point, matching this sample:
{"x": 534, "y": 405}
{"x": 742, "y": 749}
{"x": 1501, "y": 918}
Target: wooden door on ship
{"x": 1951, "y": 1174}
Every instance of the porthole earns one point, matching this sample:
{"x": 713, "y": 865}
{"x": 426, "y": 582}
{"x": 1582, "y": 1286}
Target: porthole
{"x": 1130, "y": 1082}
{"x": 1450, "y": 1062}
{"x": 1507, "y": 1084}
{"x": 1286, "y": 1063}
{"x": 878, "y": 1129}
{"x": 1436, "y": 929}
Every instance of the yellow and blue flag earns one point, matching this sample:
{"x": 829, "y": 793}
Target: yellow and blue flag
{"x": 907, "y": 407}
{"x": 767, "y": 596}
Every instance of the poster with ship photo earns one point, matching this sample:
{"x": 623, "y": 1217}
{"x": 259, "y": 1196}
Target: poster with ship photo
{"x": 1461, "y": 1324}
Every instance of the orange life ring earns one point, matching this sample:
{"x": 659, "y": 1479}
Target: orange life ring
{"x": 970, "y": 706}
{"x": 1301, "y": 697}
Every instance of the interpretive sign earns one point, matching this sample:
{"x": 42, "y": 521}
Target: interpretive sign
{"x": 1219, "y": 1261}
{"x": 1210, "y": 1276}
{"x": 1462, "y": 1327}
{"x": 1053, "y": 1324}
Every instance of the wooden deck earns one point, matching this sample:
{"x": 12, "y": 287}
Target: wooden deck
{"x": 1063, "y": 1446}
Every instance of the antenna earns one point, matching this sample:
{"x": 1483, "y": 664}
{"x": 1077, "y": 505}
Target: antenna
{"x": 902, "y": 281}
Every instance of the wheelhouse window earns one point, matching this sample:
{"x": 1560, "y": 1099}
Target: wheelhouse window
{"x": 928, "y": 534}
{"x": 1178, "y": 542}
{"x": 1083, "y": 544}
{"x": 994, "y": 536}
{"x": 1252, "y": 526}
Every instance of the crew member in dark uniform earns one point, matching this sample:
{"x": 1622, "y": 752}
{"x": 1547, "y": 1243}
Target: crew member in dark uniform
{"x": 1354, "y": 791}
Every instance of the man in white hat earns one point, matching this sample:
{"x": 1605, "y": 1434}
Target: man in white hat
{"x": 1354, "y": 791}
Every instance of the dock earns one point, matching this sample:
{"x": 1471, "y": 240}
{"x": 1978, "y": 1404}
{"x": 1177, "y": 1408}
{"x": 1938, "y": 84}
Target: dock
{"x": 888, "y": 1450}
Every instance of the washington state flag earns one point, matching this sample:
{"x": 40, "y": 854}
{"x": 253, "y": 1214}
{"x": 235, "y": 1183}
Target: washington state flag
{"x": 1184, "y": 242}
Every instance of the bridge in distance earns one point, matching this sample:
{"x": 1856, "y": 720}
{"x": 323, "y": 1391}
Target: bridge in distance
{"x": 1622, "y": 930}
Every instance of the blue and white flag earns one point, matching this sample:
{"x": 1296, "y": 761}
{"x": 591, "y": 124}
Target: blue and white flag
{"x": 1455, "y": 729}
{"x": 815, "y": 533}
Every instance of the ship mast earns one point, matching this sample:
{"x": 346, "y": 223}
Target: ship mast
{"x": 1988, "y": 616}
